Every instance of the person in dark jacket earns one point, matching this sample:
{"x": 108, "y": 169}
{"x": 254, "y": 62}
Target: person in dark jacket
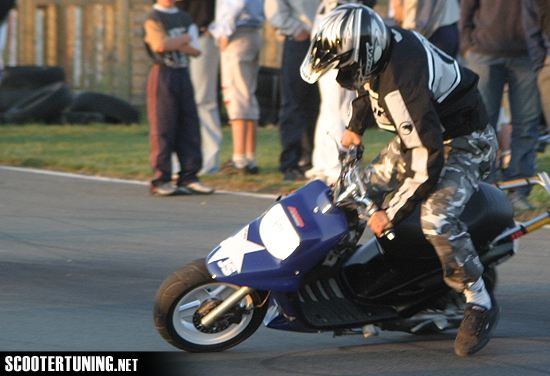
{"x": 536, "y": 23}
{"x": 442, "y": 149}
{"x": 492, "y": 40}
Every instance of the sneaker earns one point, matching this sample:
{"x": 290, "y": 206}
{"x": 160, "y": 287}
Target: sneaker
{"x": 476, "y": 328}
{"x": 293, "y": 174}
{"x": 164, "y": 189}
{"x": 304, "y": 164}
{"x": 182, "y": 190}
{"x": 229, "y": 168}
{"x": 252, "y": 170}
{"x": 519, "y": 201}
{"x": 198, "y": 188}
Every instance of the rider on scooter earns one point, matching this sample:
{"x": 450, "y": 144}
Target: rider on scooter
{"x": 442, "y": 150}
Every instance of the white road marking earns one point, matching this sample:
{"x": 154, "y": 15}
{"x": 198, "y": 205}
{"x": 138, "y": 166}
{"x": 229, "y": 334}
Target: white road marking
{"x": 121, "y": 181}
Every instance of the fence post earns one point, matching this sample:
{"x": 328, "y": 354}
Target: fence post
{"x": 26, "y": 30}
{"x": 124, "y": 53}
{"x": 52, "y": 32}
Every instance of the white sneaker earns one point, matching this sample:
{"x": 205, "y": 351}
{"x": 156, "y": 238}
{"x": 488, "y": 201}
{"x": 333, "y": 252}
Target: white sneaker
{"x": 164, "y": 189}
{"x": 199, "y": 188}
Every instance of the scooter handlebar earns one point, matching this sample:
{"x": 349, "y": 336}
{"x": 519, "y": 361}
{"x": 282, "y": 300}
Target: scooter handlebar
{"x": 388, "y": 234}
{"x": 349, "y": 158}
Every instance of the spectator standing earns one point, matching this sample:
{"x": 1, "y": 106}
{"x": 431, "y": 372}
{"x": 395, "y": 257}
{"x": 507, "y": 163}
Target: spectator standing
{"x": 300, "y": 101}
{"x": 170, "y": 37}
{"x": 333, "y": 117}
{"x": 437, "y": 20}
{"x": 334, "y": 111}
{"x": 237, "y": 28}
{"x": 204, "y": 71}
{"x": 536, "y": 22}
{"x": 493, "y": 42}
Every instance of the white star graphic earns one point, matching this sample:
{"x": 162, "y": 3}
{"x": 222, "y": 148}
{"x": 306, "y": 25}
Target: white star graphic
{"x": 235, "y": 247}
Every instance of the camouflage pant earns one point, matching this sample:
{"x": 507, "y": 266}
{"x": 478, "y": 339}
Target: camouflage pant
{"x": 468, "y": 160}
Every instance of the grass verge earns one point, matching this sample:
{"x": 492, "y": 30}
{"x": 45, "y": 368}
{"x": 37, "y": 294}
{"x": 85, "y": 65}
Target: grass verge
{"x": 123, "y": 152}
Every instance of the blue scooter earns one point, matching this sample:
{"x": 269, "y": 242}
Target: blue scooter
{"x": 301, "y": 267}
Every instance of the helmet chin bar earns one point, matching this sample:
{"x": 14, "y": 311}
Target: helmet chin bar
{"x": 351, "y": 77}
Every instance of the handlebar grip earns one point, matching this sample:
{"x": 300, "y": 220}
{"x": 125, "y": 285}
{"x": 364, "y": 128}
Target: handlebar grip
{"x": 356, "y": 151}
{"x": 389, "y": 234}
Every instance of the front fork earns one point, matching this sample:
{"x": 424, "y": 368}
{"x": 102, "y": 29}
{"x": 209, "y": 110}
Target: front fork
{"x": 225, "y": 306}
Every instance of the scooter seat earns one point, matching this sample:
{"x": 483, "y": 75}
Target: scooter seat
{"x": 486, "y": 215}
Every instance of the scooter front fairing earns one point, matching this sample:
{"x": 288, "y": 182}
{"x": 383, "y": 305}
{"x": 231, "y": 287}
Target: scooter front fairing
{"x": 274, "y": 251}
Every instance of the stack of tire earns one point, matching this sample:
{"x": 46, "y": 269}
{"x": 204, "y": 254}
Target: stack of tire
{"x": 31, "y": 94}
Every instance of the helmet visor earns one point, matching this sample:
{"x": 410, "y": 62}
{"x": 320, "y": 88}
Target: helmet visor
{"x": 318, "y": 62}
{"x": 311, "y": 73}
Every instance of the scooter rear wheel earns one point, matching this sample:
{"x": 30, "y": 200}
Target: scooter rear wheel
{"x": 187, "y": 295}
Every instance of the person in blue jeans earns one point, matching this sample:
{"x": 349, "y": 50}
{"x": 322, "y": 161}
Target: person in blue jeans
{"x": 300, "y": 100}
{"x": 494, "y": 45}
{"x": 536, "y": 22}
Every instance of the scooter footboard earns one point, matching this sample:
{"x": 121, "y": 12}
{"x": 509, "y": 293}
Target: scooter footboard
{"x": 317, "y": 310}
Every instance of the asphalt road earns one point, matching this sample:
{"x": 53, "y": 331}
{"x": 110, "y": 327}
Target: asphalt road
{"x": 81, "y": 260}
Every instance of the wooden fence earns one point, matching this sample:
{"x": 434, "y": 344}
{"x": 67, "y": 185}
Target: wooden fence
{"x": 99, "y": 43}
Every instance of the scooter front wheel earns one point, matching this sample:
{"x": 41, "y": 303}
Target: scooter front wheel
{"x": 190, "y": 293}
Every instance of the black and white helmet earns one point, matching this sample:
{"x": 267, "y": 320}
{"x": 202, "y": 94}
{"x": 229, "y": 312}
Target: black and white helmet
{"x": 351, "y": 38}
